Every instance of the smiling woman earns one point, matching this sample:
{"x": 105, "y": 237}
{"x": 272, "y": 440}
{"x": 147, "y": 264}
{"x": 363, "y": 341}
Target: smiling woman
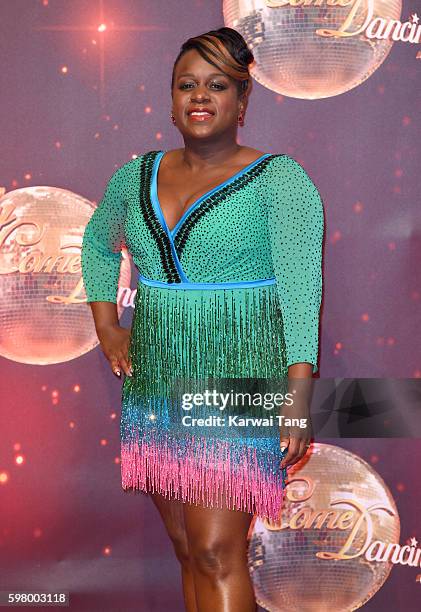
{"x": 227, "y": 241}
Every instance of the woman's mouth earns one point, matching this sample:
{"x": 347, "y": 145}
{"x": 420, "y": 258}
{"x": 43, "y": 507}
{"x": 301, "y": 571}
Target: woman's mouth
{"x": 200, "y": 116}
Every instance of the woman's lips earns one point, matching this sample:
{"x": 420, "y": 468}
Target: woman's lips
{"x": 200, "y": 116}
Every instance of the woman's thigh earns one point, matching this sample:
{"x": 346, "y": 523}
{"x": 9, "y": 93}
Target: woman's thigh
{"x": 171, "y": 511}
{"x": 211, "y": 537}
{"x": 217, "y": 537}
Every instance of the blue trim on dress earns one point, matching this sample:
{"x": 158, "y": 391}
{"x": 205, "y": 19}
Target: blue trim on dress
{"x": 196, "y": 203}
{"x": 156, "y": 205}
{"x": 223, "y": 285}
{"x": 157, "y": 208}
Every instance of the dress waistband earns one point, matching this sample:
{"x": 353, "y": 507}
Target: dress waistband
{"x": 229, "y": 285}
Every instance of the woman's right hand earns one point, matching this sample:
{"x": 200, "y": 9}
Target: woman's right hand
{"x": 115, "y": 342}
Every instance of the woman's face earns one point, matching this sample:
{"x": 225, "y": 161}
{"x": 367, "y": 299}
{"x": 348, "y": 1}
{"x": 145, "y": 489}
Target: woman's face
{"x": 198, "y": 84}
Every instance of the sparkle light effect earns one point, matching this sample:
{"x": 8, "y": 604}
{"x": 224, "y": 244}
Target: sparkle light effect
{"x": 103, "y": 27}
{"x": 4, "y": 478}
{"x": 335, "y": 237}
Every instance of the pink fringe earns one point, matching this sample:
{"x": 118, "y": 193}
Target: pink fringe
{"x": 244, "y": 484}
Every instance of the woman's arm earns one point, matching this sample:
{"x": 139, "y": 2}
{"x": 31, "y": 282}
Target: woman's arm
{"x": 296, "y": 225}
{"x": 101, "y": 256}
{"x": 103, "y": 240}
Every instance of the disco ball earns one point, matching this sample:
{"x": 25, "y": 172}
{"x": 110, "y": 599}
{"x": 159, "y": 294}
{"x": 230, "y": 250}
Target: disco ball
{"x": 44, "y": 317}
{"x": 328, "y": 492}
{"x": 294, "y": 60}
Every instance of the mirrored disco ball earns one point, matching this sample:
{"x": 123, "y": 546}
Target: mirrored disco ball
{"x": 329, "y": 494}
{"x": 44, "y": 317}
{"x": 293, "y": 60}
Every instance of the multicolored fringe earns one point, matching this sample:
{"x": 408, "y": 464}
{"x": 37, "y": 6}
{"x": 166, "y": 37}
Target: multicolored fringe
{"x": 203, "y": 471}
{"x": 198, "y": 335}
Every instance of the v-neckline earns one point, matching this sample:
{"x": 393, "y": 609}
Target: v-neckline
{"x": 157, "y": 205}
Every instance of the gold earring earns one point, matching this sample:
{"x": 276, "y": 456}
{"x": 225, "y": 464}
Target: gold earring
{"x": 241, "y": 116}
{"x": 172, "y": 118}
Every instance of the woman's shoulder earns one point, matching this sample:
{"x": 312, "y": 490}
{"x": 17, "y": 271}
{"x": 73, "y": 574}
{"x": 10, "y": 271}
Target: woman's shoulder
{"x": 284, "y": 160}
{"x": 136, "y": 159}
{"x": 130, "y": 167}
{"x": 293, "y": 185}
{"x": 288, "y": 166}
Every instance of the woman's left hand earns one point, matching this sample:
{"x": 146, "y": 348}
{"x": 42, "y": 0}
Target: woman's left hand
{"x": 297, "y": 448}
{"x": 296, "y": 428}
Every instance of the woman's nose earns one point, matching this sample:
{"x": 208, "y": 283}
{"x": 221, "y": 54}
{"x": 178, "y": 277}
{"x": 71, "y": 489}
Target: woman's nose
{"x": 200, "y": 96}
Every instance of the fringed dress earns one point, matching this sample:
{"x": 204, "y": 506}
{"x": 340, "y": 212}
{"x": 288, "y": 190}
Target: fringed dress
{"x": 231, "y": 293}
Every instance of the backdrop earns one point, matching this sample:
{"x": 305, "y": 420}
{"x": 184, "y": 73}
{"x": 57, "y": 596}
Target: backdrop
{"x": 86, "y": 87}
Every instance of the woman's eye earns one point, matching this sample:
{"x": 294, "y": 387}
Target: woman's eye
{"x": 218, "y": 86}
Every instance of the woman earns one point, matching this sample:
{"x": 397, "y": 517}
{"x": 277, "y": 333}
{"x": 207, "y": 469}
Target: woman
{"x": 227, "y": 241}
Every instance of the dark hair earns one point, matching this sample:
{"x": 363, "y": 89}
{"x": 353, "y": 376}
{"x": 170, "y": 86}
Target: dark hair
{"x": 225, "y": 49}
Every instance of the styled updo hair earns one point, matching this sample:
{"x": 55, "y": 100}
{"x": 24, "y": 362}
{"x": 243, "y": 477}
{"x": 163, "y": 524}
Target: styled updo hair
{"x": 225, "y": 49}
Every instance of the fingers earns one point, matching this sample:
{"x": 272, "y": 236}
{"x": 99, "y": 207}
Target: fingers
{"x": 125, "y": 365}
{"x": 292, "y": 452}
{"x": 115, "y": 366}
{"x": 303, "y": 445}
{"x": 297, "y": 448}
{"x": 284, "y": 442}
{"x": 116, "y": 346}
{"x": 121, "y": 363}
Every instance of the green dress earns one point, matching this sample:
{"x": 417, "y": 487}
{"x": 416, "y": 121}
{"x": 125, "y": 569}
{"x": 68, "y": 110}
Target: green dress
{"x": 230, "y": 295}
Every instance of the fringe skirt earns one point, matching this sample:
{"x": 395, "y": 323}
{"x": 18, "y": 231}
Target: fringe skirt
{"x": 190, "y": 340}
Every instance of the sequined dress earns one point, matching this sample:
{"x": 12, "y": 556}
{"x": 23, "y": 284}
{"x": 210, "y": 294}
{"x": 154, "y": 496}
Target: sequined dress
{"x": 233, "y": 291}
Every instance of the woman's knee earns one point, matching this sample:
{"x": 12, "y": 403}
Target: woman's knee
{"x": 217, "y": 558}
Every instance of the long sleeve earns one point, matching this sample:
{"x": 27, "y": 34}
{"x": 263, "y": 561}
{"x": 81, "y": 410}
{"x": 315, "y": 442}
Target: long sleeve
{"x": 102, "y": 242}
{"x": 296, "y": 226}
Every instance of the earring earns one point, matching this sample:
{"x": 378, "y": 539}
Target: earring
{"x": 172, "y": 118}
{"x": 241, "y": 119}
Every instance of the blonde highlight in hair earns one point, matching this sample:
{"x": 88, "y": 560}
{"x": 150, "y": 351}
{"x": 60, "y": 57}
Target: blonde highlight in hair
{"x": 225, "y": 49}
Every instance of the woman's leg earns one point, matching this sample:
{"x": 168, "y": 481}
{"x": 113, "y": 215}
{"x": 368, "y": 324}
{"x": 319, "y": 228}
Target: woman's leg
{"x": 217, "y": 541}
{"x": 171, "y": 512}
